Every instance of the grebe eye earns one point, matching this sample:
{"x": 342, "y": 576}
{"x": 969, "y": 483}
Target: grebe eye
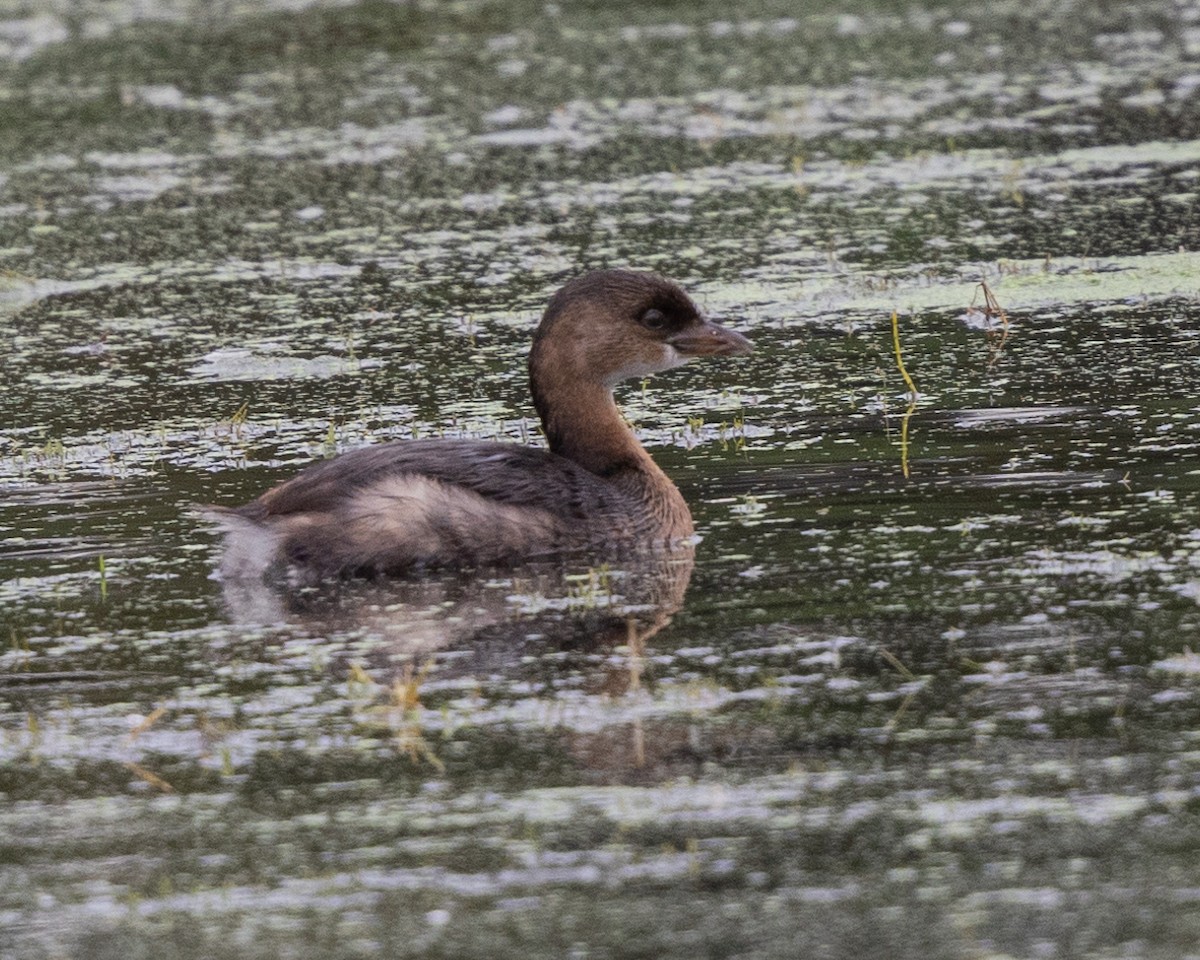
{"x": 654, "y": 319}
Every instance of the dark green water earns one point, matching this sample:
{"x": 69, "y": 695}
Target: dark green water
{"x": 950, "y": 716}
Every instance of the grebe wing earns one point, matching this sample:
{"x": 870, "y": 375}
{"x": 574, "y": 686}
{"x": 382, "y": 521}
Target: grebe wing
{"x": 501, "y": 472}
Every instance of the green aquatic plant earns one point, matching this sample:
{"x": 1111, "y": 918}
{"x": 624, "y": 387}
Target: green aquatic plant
{"x": 912, "y": 395}
{"x": 590, "y": 589}
{"x": 399, "y": 714}
{"x": 736, "y": 430}
{"x": 749, "y": 508}
{"x": 693, "y": 432}
{"x": 237, "y": 419}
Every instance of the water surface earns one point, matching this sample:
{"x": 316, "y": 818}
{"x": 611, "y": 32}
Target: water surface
{"x": 949, "y": 715}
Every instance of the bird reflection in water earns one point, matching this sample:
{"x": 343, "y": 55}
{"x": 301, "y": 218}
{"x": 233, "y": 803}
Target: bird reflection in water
{"x": 490, "y": 616}
{"x": 456, "y": 626}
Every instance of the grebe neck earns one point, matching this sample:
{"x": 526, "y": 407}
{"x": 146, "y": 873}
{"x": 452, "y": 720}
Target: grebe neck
{"x": 582, "y": 423}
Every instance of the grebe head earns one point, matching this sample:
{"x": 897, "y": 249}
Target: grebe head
{"x": 613, "y": 325}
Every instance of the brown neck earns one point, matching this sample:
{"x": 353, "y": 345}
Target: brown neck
{"x": 583, "y": 424}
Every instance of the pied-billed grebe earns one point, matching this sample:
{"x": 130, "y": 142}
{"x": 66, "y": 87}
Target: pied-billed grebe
{"x": 462, "y": 503}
